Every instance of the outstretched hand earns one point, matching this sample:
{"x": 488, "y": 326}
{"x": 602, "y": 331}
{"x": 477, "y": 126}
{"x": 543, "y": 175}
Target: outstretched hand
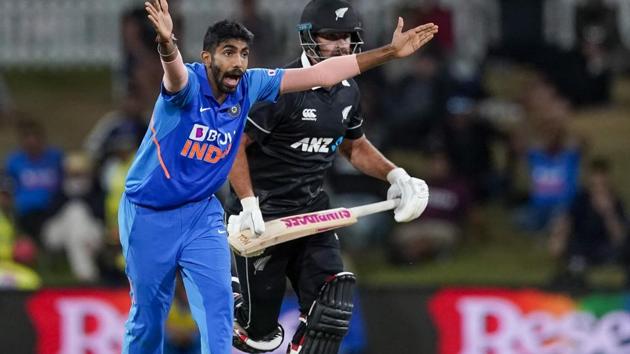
{"x": 160, "y": 18}
{"x": 406, "y": 43}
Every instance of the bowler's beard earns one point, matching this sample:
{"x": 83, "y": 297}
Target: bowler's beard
{"x": 218, "y": 77}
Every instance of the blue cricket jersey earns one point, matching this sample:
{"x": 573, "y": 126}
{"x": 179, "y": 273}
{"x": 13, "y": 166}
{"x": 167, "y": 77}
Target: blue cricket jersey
{"x": 192, "y": 140}
{"x": 36, "y": 179}
{"x": 554, "y": 178}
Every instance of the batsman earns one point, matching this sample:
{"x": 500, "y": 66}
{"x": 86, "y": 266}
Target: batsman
{"x": 279, "y": 171}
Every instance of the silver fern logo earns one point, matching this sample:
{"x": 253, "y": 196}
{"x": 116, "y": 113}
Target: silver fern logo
{"x": 340, "y": 13}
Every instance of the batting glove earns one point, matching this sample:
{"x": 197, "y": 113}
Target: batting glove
{"x": 250, "y": 218}
{"x": 413, "y": 194}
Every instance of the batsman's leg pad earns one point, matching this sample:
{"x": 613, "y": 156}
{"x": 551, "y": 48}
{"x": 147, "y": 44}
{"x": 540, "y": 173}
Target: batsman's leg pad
{"x": 328, "y": 319}
{"x": 242, "y": 341}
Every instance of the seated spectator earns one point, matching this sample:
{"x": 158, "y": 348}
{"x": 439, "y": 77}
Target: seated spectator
{"x": 111, "y": 261}
{"x": 468, "y": 139}
{"x": 76, "y": 226}
{"x": 553, "y": 168}
{"x": 594, "y": 230}
{"x": 36, "y": 173}
{"x": 442, "y": 224}
{"x": 129, "y": 122}
{"x": 6, "y": 105}
{"x": 413, "y": 104}
{"x": 14, "y": 275}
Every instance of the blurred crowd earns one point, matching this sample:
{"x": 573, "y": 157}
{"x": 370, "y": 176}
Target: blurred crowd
{"x": 438, "y": 114}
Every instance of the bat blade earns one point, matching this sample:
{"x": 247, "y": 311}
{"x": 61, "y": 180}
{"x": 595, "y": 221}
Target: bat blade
{"x": 289, "y": 228}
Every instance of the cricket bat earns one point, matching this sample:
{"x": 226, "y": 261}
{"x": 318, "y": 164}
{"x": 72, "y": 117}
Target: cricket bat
{"x": 291, "y": 227}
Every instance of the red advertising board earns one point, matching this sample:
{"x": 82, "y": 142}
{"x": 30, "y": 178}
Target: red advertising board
{"x": 91, "y": 321}
{"x": 499, "y": 321}
{"x": 79, "y": 321}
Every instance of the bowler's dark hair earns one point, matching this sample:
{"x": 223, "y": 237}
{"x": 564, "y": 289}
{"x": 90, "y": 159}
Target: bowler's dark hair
{"x": 223, "y": 31}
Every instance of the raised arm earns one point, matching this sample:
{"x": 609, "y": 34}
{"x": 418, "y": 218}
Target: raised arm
{"x": 333, "y": 70}
{"x": 175, "y": 73}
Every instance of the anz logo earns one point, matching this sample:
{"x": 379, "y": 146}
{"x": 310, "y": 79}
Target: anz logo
{"x": 322, "y": 145}
{"x": 309, "y": 114}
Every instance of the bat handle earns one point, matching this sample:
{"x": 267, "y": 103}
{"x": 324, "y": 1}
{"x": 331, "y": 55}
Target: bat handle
{"x": 374, "y": 208}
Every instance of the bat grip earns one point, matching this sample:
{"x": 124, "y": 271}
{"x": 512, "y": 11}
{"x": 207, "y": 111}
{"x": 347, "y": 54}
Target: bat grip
{"x": 374, "y": 208}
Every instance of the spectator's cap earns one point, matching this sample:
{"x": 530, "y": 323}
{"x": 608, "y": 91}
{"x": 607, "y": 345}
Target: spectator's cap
{"x": 458, "y": 105}
{"x": 77, "y": 163}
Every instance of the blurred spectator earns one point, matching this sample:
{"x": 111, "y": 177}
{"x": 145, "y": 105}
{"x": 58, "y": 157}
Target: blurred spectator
{"x": 36, "y": 172}
{"x": 265, "y": 49}
{"x": 127, "y": 122}
{"x": 76, "y": 225}
{"x": 6, "y": 106}
{"x": 111, "y": 261}
{"x": 442, "y": 223}
{"x": 594, "y": 230}
{"x": 596, "y": 25}
{"x": 182, "y": 336}
{"x": 431, "y": 11}
{"x": 468, "y": 140}
{"x": 553, "y": 167}
{"x": 414, "y": 104}
{"x": 12, "y": 274}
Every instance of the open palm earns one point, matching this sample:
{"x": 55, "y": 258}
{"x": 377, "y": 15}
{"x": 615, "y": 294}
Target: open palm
{"x": 406, "y": 43}
{"x": 160, "y": 18}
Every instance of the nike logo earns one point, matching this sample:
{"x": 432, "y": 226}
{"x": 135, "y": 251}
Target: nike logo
{"x": 221, "y": 231}
{"x": 204, "y": 109}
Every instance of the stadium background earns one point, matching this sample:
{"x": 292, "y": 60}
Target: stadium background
{"x": 503, "y": 80}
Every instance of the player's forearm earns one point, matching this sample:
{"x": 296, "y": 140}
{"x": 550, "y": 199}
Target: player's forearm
{"x": 175, "y": 73}
{"x": 367, "y": 159}
{"x": 326, "y": 73}
{"x": 239, "y": 176}
{"x": 375, "y": 57}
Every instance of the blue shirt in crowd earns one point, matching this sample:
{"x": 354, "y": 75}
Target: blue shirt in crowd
{"x": 554, "y": 177}
{"x": 36, "y": 180}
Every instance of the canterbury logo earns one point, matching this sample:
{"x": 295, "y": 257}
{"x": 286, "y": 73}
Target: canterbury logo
{"x": 340, "y": 13}
{"x": 309, "y": 114}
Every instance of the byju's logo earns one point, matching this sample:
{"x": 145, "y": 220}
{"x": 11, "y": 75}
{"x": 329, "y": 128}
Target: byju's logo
{"x": 206, "y": 144}
{"x": 309, "y": 114}
{"x": 198, "y": 132}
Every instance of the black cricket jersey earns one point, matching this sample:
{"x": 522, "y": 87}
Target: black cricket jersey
{"x": 295, "y": 142}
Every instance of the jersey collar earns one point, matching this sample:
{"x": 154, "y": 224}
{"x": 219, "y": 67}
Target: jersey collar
{"x": 307, "y": 64}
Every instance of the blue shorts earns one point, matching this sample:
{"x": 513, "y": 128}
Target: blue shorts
{"x": 156, "y": 244}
